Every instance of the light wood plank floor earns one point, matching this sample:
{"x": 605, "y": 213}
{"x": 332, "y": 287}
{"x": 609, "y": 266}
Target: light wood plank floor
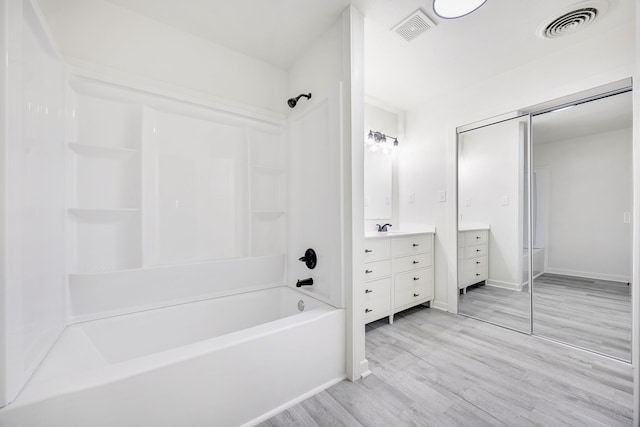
{"x": 589, "y": 313}
{"x": 431, "y": 368}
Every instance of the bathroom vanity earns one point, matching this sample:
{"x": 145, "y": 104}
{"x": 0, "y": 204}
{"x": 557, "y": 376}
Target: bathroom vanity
{"x": 398, "y": 271}
{"x": 473, "y": 255}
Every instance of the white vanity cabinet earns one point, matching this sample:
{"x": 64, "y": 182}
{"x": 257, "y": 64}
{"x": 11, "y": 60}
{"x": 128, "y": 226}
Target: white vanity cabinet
{"x": 398, "y": 273}
{"x": 473, "y": 257}
{"x": 377, "y": 279}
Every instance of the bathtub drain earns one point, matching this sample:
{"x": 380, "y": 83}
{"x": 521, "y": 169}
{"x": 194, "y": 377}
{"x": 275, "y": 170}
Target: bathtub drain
{"x": 301, "y": 305}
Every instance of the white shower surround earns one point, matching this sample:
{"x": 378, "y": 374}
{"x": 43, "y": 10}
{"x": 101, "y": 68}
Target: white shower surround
{"x": 119, "y": 146}
{"x": 225, "y": 361}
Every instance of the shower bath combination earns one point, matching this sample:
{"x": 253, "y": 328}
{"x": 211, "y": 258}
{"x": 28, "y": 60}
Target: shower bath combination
{"x": 294, "y": 101}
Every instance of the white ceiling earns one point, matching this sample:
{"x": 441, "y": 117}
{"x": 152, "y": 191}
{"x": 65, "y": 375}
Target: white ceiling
{"x": 497, "y": 37}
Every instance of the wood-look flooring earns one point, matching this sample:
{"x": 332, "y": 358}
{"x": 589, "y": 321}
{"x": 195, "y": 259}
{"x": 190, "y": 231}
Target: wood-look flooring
{"x": 588, "y": 313}
{"x": 432, "y": 368}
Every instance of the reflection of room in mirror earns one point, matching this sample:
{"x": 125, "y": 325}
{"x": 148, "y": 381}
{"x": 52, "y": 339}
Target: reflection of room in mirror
{"x": 580, "y": 247}
{"x": 583, "y": 173}
{"x": 492, "y": 192}
{"x": 378, "y": 166}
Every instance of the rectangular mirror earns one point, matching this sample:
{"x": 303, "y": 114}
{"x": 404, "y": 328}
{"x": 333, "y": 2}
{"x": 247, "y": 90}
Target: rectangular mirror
{"x": 377, "y": 185}
{"x": 493, "y": 224}
{"x": 378, "y": 163}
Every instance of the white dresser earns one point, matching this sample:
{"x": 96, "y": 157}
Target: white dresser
{"x": 398, "y": 273}
{"x": 473, "y": 256}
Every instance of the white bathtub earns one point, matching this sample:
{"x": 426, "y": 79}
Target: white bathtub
{"x": 220, "y": 362}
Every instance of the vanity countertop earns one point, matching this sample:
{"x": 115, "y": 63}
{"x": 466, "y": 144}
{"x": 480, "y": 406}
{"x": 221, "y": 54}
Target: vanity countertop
{"x": 377, "y": 235}
{"x": 467, "y": 226}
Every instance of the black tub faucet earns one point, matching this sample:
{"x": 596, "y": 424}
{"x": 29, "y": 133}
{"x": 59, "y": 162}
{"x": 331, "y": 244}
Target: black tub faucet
{"x": 304, "y": 282}
{"x": 383, "y": 228}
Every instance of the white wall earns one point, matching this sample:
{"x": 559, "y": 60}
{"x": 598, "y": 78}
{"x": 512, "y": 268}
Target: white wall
{"x": 314, "y": 162}
{"x": 427, "y": 159}
{"x": 33, "y": 297}
{"x": 353, "y": 189}
{"x": 380, "y": 170}
{"x": 590, "y": 187}
{"x": 325, "y": 165}
{"x": 105, "y": 37}
{"x": 490, "y": 164}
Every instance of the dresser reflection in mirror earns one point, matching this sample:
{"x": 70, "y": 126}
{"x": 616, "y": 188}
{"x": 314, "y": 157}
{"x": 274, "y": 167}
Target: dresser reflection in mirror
{"x": 473, "y": 256}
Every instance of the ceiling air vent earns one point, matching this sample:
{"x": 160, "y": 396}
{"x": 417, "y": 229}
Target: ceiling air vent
{"x": 414, "y": 25}
{"x": 575, "y": 19}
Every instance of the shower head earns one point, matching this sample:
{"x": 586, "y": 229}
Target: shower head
{"x": 293, "y": 101}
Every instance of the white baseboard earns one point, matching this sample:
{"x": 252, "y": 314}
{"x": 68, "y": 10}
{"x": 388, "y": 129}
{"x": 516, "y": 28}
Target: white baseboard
{"x": 439, "y": 305}
{"x": 589, "y": 275}
{"x": 526, "y": 282}
{"x": 364, "y": 368}
{"x": 505, "y": 285}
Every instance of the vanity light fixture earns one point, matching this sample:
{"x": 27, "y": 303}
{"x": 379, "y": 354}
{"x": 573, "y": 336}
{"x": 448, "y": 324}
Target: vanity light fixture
{"x": 450, "y": 9}
{"x": 378, "y": 141}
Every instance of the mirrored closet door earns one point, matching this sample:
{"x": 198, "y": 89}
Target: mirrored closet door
{"x": 492, "y": 224}
{"x": 544, "y": 221}
{"x": 581, "y": 224}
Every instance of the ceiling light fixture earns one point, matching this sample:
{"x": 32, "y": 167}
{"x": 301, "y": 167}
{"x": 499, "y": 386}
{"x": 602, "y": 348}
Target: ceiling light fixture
{"x": 450, "y": 9}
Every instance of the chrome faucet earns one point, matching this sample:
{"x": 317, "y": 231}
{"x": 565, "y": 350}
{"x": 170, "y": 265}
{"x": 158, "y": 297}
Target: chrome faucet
{"x": 383, "y": 228}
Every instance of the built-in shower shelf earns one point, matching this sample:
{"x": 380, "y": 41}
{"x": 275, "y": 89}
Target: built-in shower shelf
{"x": 102, "y": 214}
{"x": 101, "y": 151}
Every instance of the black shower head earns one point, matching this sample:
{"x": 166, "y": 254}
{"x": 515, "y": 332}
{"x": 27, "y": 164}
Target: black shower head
{"x": 293, "y": 101}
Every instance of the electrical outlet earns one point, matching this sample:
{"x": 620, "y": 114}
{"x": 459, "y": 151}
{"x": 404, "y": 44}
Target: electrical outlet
{"x": 442, "y": 196}
{"x": 412, "y": 197}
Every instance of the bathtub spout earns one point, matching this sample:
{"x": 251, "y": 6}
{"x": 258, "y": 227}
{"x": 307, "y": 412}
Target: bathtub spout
{"x": 304, "y": 282}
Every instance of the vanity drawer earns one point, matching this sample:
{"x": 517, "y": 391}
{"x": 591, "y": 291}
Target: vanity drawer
{"x": 377, "y": 299}
{"x": 476, "y": 237}
{"x": 377, "y": 269}
{"x": 375, "y": 309}
{"x": 476, "y": 251}
{"x": 376, "y": 289}
{"x": 414, "y": 294}
{"x": 376, "y": 249}
{"x": 412, "y": 279}
{"x": 413, "y": 262}
{"x": 402, "y": 246}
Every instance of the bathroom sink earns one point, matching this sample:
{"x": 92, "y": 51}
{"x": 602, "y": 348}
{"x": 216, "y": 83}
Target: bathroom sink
{"x": 392, "y": 233}
{"x": 384, "y": 233}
